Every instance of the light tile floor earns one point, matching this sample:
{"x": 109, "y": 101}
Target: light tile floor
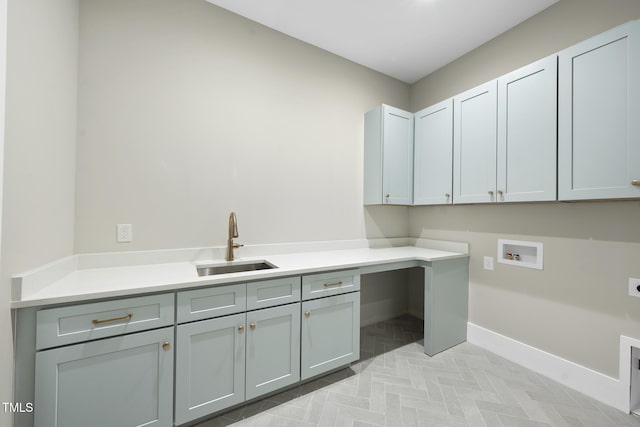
{"x": 396, "y": 384}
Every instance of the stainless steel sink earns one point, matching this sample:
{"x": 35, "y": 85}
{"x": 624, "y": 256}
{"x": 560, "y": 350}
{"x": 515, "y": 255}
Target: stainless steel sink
{"x": 236, "y": 267}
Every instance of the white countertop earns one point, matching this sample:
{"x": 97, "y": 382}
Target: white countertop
{"x": 96, "y": 283}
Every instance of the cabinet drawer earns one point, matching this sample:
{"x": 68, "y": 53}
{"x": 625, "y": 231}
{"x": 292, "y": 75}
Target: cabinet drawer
{"x": 211, "y": 302}
{"x": 269, "y": 293}
{"x": 71, "y": 324}
{"x": 333, "y": 283}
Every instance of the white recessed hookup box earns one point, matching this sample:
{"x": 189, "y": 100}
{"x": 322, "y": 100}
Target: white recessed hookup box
{"x": 522, "y": 254}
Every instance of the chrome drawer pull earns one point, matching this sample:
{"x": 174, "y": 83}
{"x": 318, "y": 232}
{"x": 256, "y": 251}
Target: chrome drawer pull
{"x": 328, "y": 285}
{"x": 115, "y": 319}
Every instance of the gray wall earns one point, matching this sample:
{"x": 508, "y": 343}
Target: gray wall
{"x": 39, "y": 157}
{"x": 188, "y": 112}
{"x": 578, "y": 307}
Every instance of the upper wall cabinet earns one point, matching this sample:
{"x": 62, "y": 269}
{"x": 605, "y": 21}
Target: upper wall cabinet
{"x": 505, "y": 138}
{"x": 433, "y": 155}
{"x": 388, "y": 156}
{"x": 474, "y": 145}
{"x": 527, "y": 141}
{"x": 599, "y": 116}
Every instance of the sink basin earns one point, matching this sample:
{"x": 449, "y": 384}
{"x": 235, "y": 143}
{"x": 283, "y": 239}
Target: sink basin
{"x": 210, "y": 270}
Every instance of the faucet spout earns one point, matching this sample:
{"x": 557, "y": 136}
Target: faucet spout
{"x": 233, "y": 232}
{"x": 233, "y": 225}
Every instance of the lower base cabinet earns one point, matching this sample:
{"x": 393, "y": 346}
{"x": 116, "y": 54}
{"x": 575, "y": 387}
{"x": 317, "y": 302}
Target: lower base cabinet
{"x": 273, "y": 349}
{"x": 330, "y": 333}
{"x": 210, "y": 363}
{"x": 224, "y": 361}
{"x": 121, "y": 381}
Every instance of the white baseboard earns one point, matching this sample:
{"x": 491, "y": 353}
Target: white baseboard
{"x": 603, "y": 388}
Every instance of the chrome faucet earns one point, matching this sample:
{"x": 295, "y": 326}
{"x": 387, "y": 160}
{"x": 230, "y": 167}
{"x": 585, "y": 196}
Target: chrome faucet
{"x": 233, "y": 232}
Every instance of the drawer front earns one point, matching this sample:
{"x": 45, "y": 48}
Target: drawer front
{"x": 211, "y": 302}
{"x": 332, "y": 283}
{"x": 269, "y": 293}
{"x": 84, "y": 322}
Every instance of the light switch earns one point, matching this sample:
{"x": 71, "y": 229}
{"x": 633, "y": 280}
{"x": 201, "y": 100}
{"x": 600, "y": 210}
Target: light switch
{"x": 488, "y": 263}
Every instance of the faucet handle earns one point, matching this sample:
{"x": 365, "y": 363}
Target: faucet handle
{"x": 238, "y": 245}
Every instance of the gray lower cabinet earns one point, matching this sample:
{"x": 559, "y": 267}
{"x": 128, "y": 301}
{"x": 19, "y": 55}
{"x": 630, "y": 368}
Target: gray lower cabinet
{"x": 121, "y": 381}
{"x": 224, "y": 361}
{"x": 330, "y": 333}
{"x": 210, "y": 366}
{"x": 273, "y": 349}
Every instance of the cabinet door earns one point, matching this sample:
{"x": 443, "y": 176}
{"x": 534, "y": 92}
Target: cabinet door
{"x": 474, "y": 145}
{"x": 397, "y": 175}
{"x": 210, "y": 363}
{"x": 598, "y": 111}
{"x": 388, "y": 156}
{"x": 330, "y": 333}
{"x": 273, "y": 349}
{"x": 527, "y": 142}
{"x": 121, "y": 381}
{"x": 433, "y": 155}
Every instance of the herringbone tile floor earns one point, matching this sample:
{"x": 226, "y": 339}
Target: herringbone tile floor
{"x": 396, "y": 384}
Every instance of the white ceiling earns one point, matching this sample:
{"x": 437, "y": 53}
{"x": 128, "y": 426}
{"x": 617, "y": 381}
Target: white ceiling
{"x": 405, "y": 39}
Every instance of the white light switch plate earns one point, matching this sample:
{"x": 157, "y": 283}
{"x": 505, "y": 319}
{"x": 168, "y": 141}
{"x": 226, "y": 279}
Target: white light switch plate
{"x": 634, "y": 287}
{"x": 124, "y": 233}
{"x": 488, "y": 263}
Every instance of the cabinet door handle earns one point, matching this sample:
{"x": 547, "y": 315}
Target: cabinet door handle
{"x": 115, "y": 319}
{"x": 447, "y": 195}
{"x": 166, "y": 345}
{"x": 241, "y": 329}
{"x": 307, "y": 313}
{"x": 252, "y": 326}
{"x": 329, "y": 285}
{"x": 500, "y": 192}
{"x": 635, "y": 182}
{"x": 490, "y": 192}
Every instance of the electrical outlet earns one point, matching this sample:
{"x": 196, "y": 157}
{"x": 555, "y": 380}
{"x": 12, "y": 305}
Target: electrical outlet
{"x": 124, "y": 233}
{"x": 634, "y": 287}
{"x": 488, "y": 263}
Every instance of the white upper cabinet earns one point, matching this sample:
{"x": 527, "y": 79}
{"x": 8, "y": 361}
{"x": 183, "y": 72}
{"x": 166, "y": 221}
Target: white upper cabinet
{"x": 388, "y": 156}
{"x": 474, "y": 145}
{"x": 527, "y": 142}
{"x": 433, "y": 155}
{"x": 599, "y": 116}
